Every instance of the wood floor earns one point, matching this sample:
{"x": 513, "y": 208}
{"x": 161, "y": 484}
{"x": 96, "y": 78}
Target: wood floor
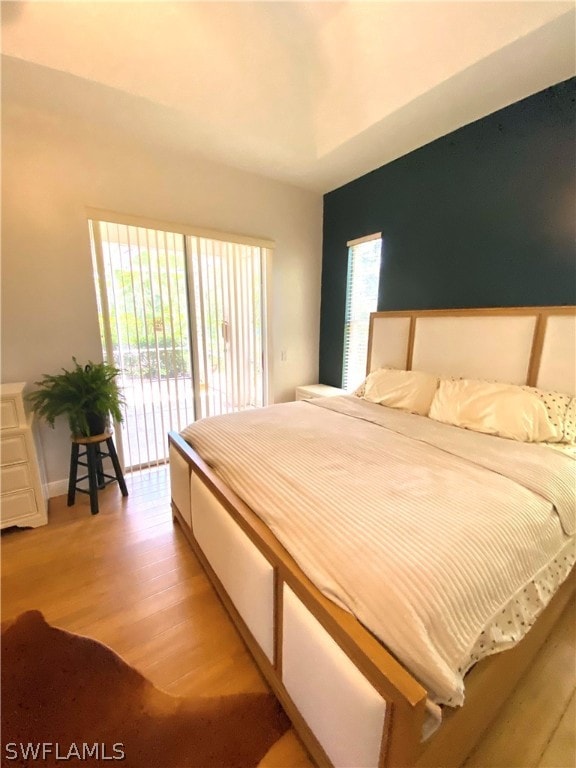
{"x": 128, "y": 578}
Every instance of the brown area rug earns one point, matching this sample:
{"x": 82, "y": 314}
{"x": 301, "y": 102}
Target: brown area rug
{"x": 71, "y": 701}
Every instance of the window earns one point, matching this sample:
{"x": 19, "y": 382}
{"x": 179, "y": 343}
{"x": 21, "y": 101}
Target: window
{"x": 364, "y": 257}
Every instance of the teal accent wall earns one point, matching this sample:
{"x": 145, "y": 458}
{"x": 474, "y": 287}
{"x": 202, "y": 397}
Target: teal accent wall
{"x": 482, "y": 217}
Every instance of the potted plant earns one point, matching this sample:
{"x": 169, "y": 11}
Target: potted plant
{"x": 87, "y": 395}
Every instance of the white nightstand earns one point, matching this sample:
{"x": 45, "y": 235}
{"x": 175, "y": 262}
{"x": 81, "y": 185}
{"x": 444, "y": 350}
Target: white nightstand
{"x": 310, "y": 391}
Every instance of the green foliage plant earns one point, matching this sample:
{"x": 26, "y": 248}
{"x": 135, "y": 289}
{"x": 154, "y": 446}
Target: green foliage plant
{"x": 79, "y": 394}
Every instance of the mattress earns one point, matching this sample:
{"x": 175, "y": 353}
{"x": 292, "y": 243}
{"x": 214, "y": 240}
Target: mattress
{"x": 446, "y": 544}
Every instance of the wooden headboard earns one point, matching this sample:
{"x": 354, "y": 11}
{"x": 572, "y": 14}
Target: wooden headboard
{"x": 517, "y": 345}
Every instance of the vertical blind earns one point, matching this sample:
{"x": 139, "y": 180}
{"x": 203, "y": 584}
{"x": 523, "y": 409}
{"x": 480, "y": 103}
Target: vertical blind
{"x": 184, "y": 319}
{"x": 229, "y": 325}
{"x": 364, "y": 256}
{"x": 141, "y": 277}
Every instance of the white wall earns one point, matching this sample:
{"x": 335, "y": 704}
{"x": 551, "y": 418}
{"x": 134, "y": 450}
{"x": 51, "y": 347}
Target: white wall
{"x": 53, "y": 168}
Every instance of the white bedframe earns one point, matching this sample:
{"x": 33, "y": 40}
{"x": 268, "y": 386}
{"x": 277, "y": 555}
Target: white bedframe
{"x": 351, "y": 702}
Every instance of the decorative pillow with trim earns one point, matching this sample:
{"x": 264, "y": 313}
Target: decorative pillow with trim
{"x": 569, "y": 434}
{"x": 359, "y": 391}
{"x": 556, "y": 404}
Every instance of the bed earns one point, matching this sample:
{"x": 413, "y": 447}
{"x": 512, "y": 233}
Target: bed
{"x": 350, "y": 667}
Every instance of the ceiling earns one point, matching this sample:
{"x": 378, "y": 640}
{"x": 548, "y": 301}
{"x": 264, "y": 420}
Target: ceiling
{"x": 310, "y": 93}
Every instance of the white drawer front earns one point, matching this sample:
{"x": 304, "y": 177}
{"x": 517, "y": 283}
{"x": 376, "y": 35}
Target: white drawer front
{"x": 14, "y": 506}
{"x": 244, "y": 572}
{"x": 13, "y": 449}
{"x": 343, "y": 709}
{"x": 180, "y": 483}
{"x": 15, "y": 478}
{"x": 8, "y": 414}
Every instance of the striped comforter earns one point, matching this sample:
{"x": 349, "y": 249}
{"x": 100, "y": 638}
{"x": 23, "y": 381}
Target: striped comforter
{"x": 424, "y": 531}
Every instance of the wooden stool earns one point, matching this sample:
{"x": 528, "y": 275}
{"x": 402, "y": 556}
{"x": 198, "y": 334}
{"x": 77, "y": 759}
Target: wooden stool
{"x": 97, "y": 478}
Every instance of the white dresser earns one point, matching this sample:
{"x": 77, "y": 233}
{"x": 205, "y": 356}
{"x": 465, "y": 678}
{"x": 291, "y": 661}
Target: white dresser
{"x": 23, "y": 497}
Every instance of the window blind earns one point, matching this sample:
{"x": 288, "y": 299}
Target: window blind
{"x": 140, "y": 276}
{"x": 229, "y": 325}
{"x": 183, "y": 315}
{"x": 364, "y": 256}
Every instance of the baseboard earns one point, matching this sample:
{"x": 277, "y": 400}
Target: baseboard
{"x": 57, "y": 488}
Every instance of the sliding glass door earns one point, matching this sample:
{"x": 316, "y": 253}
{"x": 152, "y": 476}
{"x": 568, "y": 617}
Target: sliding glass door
{"x": 183, "y": 318}
{"x": 228, "y": 283}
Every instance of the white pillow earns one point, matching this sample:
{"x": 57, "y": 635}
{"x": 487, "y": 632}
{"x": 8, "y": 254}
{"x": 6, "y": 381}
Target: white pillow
{"x": 407, "y": 390}
{"x": 506, "y": 410}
